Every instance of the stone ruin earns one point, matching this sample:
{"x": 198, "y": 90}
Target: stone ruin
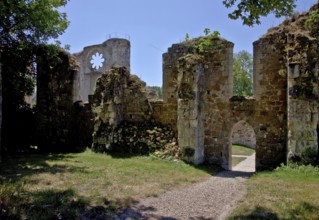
{"x": 95, "y": 60}
{"x": 199, "y": 118}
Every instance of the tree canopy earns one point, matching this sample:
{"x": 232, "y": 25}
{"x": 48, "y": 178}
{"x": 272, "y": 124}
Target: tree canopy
{"x": 250, "y": 11}
{"x": 243, "y": 73}
{"x": 33, "y": 21}
{"x": 24, "y": 24}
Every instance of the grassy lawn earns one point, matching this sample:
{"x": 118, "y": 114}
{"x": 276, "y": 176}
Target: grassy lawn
{"x": 237, "y": 160}
{"x": 286, "y": 193}
{"x": 242, "y": 150}
{"x": 44, "y": 186}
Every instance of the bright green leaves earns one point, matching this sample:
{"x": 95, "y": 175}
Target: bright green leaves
{"x": 250, "y": 11}
{"x": 243, "y": 73}
{"x": 312, "y": 20}
{"x": 34, "y": 21}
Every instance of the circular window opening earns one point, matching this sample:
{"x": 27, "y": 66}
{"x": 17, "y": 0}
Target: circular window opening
{"x": 97, "y": 61}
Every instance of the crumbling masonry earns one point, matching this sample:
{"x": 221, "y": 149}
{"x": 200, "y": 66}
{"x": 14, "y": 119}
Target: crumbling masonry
{"x": 198, "y": 111}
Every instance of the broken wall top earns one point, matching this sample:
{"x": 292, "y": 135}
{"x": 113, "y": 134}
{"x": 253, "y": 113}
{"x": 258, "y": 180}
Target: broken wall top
{"x": 114, "y": 52}
{"x": 298, "y": 24}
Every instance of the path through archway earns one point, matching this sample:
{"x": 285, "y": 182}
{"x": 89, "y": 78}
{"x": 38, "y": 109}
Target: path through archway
{"x": 243, "y": 145}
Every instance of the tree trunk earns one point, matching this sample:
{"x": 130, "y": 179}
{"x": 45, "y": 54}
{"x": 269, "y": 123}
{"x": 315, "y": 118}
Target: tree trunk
{"x": 0, "y": 111}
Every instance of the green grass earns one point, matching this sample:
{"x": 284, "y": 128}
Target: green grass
{"x": 237, "y": 160}
{"x": 42, "y": 186}
{"x": 286, "y": 193}
{"x": 242, "y": 150}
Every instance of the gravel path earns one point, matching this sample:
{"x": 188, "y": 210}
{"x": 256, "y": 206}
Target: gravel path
{"x": 212, "y": 199}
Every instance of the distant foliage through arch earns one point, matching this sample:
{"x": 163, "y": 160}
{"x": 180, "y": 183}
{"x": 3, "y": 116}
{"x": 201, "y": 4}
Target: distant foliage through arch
{"x": 243, "y": 74}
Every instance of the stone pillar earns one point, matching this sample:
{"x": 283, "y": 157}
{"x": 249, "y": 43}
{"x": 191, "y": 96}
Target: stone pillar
{"x": 190, "y": 123}
{"x": 270, "y": 92}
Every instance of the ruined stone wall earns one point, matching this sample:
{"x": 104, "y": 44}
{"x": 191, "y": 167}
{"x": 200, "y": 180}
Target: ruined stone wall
{"x": 206, "y": 111}
{"x": 270, "y": 92}
{"x": 190, "y": 122}
{"x": 199, "y": 107}
{"x": 216, "y": 91}
{"x": 54, "y": 99}
{"x": 168, "y": 110}
{"x": 303, "y": 69}
{"x": 123, "y": 117}
{"x": 136, "y": 105}
{"x": 165, "y": 113}
{"x": 95, "y": 60}
{"x": 81, "y": 125}
{"x": 296, "y": 41}
{"x": 201, "y": 81}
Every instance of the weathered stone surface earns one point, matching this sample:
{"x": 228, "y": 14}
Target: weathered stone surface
{"x": 243, "y": 134}
{"x": 299, "y": 38}
{"x": 55, "y": 103}
{"x": 123, "y": 117}
{"x": 95, "y": 60}
{"x": 198, "y": 117}
{"x": 200, "y": 83}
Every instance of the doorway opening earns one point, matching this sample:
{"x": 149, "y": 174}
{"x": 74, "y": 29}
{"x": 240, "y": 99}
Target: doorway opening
{"x": 243, "y": 148}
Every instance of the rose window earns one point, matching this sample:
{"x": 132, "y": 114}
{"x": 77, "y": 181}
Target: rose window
{"x": 97, "y": 61}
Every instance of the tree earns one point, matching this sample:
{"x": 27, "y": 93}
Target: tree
{"x": 250, "y": 11}
{"x": 158, "y": 89}
{"x": 34, "y": 21}
{"x": 243, "y": 73}
{"x": 24, "y": 24}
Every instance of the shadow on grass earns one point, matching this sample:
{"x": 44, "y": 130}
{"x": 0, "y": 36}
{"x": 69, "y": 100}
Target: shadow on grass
{"x": 47, "y": 204}
{"x": 124, "y": 155}
{"x": 142, "y": 212}
{"x": 208, "y": 168}
{"x": 14, "y": 167}
{"x": 257, "y": 213}
{"x": 234, "y": 174}
{"x": 66, "y": 204}
{"x": 302, "y": 210}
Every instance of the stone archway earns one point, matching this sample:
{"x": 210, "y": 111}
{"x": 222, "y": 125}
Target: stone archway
{"x": 242, "y": 147}
{"x": 243, "y": 134}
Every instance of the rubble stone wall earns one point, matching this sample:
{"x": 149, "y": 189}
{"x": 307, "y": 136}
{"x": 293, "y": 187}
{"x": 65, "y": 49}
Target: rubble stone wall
{"x": 124, "y": 117}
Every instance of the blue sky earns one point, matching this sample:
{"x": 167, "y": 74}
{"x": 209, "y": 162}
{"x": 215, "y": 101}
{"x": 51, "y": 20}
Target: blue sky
{"x": 153, "y": 26}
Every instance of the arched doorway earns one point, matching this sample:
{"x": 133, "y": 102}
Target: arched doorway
{"x": 242, "y": 147}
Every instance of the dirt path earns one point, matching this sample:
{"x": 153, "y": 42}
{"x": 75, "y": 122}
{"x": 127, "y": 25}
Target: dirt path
{"x": 212, "y": 199}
